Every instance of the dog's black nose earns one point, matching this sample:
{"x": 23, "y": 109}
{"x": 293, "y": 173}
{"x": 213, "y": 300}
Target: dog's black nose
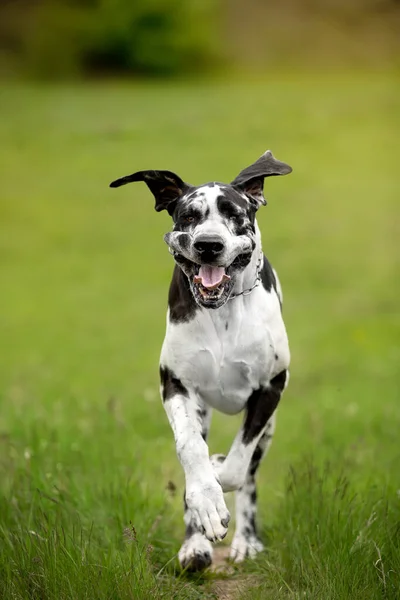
{"x": 212, "y": 246}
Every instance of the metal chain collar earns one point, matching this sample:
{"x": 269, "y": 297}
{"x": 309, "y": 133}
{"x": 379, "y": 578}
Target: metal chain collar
{"x": 248, "y": 291}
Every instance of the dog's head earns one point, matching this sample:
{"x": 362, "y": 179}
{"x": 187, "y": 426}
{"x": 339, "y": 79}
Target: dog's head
{"x": 213, "y": 237}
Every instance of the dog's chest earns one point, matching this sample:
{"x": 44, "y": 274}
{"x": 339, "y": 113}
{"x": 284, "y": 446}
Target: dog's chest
{"x": 224, "y": 355}
{"x": 230, "y": 364}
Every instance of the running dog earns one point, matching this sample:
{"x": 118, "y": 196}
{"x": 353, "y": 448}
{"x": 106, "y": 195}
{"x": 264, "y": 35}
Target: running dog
{"x": 225, "y": 347}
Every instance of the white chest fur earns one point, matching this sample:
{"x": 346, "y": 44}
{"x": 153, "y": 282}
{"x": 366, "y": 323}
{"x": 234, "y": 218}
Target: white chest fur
{"x": 223, "y": 355}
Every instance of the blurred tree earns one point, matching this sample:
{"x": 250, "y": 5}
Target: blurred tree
{"x": 151, "y": 37}
{"x": 320, "y": 32}
{"x": 165, "y": 37}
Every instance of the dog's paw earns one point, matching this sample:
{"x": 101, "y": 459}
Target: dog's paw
{"x": 208, "y": 509}
{"x": 195, "y": 553}
{"x": 245, "y": 547}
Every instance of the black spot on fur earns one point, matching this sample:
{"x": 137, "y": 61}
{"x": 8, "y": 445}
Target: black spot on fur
{"x": 255, "y": 463}
{"x": 171, "y": 385}
{"x": 182, "y": 305}
{"x": 190, "y": 529}
{"x": 253, "y": 497}
{"x": 259, "y": 451}
{"x": 201, "y": 415}
{"x": 237, "y": 210}
{"x": 261, "y": 406}
{"x": 253, "y": 523}
{"x": 279, "y": 380}
{"x": 230, "y": 207}
{"x": 241, "y": 261}
{"x": 247, "y": 531}
{"x": 184, "y": 240}
{"x": 253, "y": 468}
{"x": 257, "y": 454}
{"x": 276, "y": 357}
{"x": 267, "y": 276}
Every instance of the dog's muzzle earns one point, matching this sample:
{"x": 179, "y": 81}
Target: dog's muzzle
{"x": 209, "y": 264}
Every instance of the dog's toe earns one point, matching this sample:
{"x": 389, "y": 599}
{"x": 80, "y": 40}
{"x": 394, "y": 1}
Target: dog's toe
{"x": 195, "y": 553}
{"x": 215, "y": 521}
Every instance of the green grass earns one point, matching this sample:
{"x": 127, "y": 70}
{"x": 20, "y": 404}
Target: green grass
{"x": 85, "y": 448}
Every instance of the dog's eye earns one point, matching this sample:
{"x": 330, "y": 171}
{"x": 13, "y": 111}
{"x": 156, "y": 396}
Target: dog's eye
{"x": 188, "y": 219}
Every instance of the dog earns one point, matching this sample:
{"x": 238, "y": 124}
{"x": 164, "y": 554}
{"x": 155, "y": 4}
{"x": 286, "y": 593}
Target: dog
{"x": 225, "y": 347}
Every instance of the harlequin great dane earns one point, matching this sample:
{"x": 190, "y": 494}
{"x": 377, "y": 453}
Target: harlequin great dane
{"x": 225, "y": 347}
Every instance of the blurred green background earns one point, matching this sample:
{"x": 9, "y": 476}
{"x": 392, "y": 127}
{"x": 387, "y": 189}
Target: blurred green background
{"x": 93, "y": 90}
{"x": 59, "y": 38}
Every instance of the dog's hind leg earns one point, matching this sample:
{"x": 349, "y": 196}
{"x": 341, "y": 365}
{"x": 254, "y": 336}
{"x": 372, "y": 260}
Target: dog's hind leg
{"x": 196, "y": 551}
{"x": 245, "y": 543}
{"x": 232, "y": 470}
{"x": 237, "y": 470}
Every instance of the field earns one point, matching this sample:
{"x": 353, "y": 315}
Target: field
{"x": 90, "y": 486}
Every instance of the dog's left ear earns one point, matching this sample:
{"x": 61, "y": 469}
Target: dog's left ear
{"x": 251, "y": 180}
{"x": 166, "y": 187}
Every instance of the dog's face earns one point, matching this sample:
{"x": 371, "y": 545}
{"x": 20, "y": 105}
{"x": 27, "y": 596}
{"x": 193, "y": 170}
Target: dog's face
{"x": 212, "y": 240}
{"x": 213, "y": 236}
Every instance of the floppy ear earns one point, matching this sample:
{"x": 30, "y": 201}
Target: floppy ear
{"x": 166, "y": 187}
{"x": 251, "y": 180}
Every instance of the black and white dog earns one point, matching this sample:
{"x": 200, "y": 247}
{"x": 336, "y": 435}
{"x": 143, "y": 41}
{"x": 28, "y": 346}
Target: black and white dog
{"x": 225, "y": 347}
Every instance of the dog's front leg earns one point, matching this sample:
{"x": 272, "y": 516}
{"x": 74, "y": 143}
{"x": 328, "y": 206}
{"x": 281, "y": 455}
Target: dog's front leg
{"x": 232, "y": 469}
{"x": 204, "y": 496}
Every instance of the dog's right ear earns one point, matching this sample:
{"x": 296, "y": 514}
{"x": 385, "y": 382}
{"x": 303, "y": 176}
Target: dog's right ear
{"x": 166, "y": 187}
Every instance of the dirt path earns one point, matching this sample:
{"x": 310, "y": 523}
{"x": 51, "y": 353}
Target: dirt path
{"x": 229, "y": 588}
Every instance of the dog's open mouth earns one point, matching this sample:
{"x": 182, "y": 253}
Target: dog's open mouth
{"x": 211, "y": 286}
{"x": 211, "y": 282}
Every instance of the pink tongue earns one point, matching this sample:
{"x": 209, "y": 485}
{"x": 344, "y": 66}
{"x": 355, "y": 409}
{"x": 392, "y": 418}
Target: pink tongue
{"x": 211, "y": 277}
